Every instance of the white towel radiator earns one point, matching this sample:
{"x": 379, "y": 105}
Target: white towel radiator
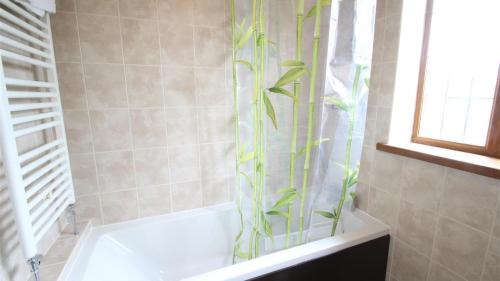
{"x": 39, "y": 177}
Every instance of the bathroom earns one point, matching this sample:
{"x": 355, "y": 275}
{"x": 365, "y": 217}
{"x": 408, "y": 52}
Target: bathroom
{"x": 249, "y": 140}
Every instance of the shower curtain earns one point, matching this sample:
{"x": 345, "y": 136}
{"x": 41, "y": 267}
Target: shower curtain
{"x": 344, "y": 65}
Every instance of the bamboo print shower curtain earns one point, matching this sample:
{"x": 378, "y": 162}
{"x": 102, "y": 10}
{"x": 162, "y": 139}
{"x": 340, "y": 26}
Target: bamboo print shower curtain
{"x": 290, "y": 105}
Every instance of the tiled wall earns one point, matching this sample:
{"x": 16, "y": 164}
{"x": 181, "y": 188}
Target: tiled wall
{"x": 146, "y": 105}
{"x": 445, "y": 223}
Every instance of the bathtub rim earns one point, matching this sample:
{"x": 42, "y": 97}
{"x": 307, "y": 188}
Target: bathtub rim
{"x": 282, "y": 259}
{"x": 371, "y": 229}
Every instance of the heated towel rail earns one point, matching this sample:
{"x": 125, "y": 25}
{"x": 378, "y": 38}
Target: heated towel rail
{"x": 32, "y": 136}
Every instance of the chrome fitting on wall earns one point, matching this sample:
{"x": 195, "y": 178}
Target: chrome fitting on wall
{"x": 34, "y": 264}
{"x": 71, "y": 213}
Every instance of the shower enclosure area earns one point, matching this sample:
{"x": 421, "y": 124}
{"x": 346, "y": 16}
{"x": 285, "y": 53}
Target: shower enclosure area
{"x": 300, "y": 82}
{"x": 178, "y": 105}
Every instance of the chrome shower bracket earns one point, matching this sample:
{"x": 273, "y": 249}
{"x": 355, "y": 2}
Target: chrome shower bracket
{"x": 72, "y": 216}
{"x": 34, "y": 264}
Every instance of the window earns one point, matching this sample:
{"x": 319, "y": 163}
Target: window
{"x": 458, "y": 98}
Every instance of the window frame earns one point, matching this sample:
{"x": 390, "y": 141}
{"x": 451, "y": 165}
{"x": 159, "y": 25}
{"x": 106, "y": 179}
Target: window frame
{"x": 492, "y": 146}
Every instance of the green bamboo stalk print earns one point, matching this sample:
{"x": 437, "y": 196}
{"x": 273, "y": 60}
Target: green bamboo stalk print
{"x": 254, "y": 233}
{"x": 310, "y": 119}
{"x": 260, "y": 100}
{"x": 237, "y": 244}
{"x": 241, "y": 35}
{"x": 346, "y": 183}
{"x": 293, "y": 75}
{"x": 260, "y": 226}
{"x": 350, "y": 177}
{"x": 295, "y": 117}
{"x": 260, "y": 103}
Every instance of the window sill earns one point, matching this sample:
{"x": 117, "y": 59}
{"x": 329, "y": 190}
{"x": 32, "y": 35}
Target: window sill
{"x": 473, "y": 163}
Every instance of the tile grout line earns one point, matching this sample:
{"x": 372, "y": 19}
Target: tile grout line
{"x": 140, "y": 18}
{"x": 87, "y": 109}
{"x": 384, "y": 25}
{"x": 164, "y": 110}
{"x": 490, "y": 238}
{"x": 398, "y": 210}
{"x": 196, "y": 111}
{"x": 152, "y": 147}
{"x": 148, "y": 107}
{"x": 166, "y": 65}
{"x": 434, "y": 235}
{"x": 130, "y": 135}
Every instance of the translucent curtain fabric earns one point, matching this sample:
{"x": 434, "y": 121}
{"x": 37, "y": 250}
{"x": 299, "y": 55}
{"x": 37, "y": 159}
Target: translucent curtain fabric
{"x": 346, "y": 42}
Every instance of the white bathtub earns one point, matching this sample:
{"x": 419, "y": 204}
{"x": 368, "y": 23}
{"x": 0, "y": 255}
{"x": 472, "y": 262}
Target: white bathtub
{"x": 197, "y": 245}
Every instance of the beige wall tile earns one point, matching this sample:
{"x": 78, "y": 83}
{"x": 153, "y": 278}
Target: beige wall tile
{"x": 182, "y": 126}
{"x": 496, "y": 228}
{"x": 365, "y": 167}
{"x": 216, "y": 191}
{"x": 409, "y": 265}
{"x": 148, "y": 128}
{"x": 492, "y": 268}
{"x": 140, "y": 41}
{"x": 110, "y": 129}
{"x": 100, "y": 38}
{"x": 105, "y": 84}
{"x": 215, "y": 125}
{"x": 186, "y": 195}
{"x": 362, "y": 194}
{"x": 386, "y": 174}
{"x": 439, "y": 273}
{"x": 138, "y": 8}
{"x": 421, "y": 183}
{"x": 72, "y": 90}
{"x": 209, "y": 46}
{"x": 102, "y": 7}
{"x": 394, "y": 7}
{"x": 185, "y": 165}
{"x": 462, "y": 192}
{"x": 495, "y": 246}
{"x": 83, "y": 170}
{"x": 144, "y": 86}
{"x": 88, "y": 208}
{"x": 209, "y": 91}
{"x": 383, "y": 206}
{"x": 382, "y": 124}
{"x": 65, "y": 5}
{"x": 51, "y": 272}
{"x": 119, "y": 206}
{"x": 176, "y": 11}
{"x": 152, "y": 166}
{"x": 215, "y": 160}
{"x": 385, "y": 95}
{"x": 65, "y": 37}
{"x": 391, "y": 38}
{"x": 378, "y": 47}
{"x": 416, "y": 227}
{"x": 381, "y": 7}
{"x": 459, "y": 248}
{"x": 78, "y": 134}
{"x": 377, "y": 69}
{"x": 179, "y": 86}
{"x": 209, "y": 12}
{"x": 177, "y": 45}
{"x": 370, "y": 129}
{"x": 115, "y": 170}
{"x": 60, "y": 251}
{"x": 154, "y": 201}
